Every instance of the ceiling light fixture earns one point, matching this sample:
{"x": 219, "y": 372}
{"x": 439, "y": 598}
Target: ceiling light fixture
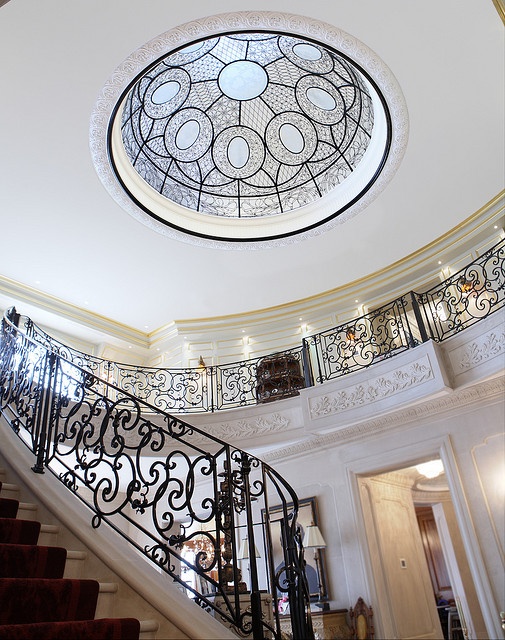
{"x": 431, "y": 469}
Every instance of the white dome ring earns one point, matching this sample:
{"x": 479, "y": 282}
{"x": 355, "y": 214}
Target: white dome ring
{"x": 188, "y": 135}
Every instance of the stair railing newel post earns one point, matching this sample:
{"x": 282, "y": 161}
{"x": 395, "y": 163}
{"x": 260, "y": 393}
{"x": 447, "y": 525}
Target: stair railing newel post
{"x": 13, "y": 316}
{"x": 211, "y": 375}
{"x": 44, "y": 412}
{"x": 405, "y": 323}
{"x": 307, "y": 364}
{"x": 256, "y": 609}
{"x": 418, "y": 316}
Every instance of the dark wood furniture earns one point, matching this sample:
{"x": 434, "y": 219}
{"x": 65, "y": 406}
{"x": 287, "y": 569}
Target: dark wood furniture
{"x": 361, "y": 621}
{"x": 277, "y": 377}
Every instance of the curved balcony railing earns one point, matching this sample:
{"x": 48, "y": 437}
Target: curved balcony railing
{"x": 185, "y": 500}
{"x": 105, "y": 429}
{"x": 463, "y": 299}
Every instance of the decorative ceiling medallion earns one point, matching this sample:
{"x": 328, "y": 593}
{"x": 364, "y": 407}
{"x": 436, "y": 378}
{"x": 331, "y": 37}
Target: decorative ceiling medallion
{"x": 243, "y": 130}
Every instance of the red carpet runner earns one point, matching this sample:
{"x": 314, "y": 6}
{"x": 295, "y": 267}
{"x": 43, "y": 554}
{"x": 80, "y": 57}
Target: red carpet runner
{"x": 36, "y": 602}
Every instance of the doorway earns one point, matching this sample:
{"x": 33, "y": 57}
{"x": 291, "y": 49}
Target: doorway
{"x": 422, "y": 577}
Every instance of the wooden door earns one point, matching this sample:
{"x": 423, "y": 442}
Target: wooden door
{"x": 434, "y": 554}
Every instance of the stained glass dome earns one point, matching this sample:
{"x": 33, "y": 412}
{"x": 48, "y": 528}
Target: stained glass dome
{"x": 248, "y": 136}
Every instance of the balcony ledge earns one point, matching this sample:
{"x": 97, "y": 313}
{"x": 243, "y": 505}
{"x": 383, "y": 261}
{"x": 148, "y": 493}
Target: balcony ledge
{"x": 419, "y": 375}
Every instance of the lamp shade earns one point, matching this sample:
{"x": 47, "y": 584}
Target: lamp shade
{"x": 243, "y": 552}
{"x": 313, "y": 538}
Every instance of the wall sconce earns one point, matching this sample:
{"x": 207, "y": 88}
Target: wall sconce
{"x": 431, "y": 469}
{"x": 464, "y": 285}
{"x": 313, "y": 539}
{"x": 350, "y": 335}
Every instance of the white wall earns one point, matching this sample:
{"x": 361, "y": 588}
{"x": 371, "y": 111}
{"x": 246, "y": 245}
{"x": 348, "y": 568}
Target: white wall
{"x": 465, "y": 434}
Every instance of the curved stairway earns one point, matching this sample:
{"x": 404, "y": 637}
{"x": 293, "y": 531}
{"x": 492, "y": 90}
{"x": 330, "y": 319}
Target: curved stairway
{"x": 41, "y": 592}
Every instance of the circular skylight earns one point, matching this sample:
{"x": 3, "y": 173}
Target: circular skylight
{"x": 249, "y": 136}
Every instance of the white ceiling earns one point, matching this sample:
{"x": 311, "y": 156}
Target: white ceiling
{"x": 62, "y": 234}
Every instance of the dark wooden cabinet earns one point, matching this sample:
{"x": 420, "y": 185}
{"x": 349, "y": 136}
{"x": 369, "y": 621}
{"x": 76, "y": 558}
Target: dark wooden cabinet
{"x": 278, "y": 377}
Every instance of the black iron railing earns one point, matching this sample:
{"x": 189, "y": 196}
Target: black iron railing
{"x": 360, "y": 343}
{"x": 463, "y": 299}
{"x": 105, "y": 429}
{"x": 189, "y": 498}
{"x": 468, "y": 296}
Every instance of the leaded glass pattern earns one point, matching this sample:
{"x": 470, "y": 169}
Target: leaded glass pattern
{"x": 247, "y": 125}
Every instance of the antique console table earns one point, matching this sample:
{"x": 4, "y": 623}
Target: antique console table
{"x": 327, "y": 625}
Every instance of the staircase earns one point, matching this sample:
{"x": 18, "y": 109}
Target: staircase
{"x": 42, "y": 593}
{"x": 127, "y": 586}
{"x": 160, "y": 505}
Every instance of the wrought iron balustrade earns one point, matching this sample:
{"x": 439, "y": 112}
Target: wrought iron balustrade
{"x": 107, "y": 431}
{"x": 463, "y": 299}
{"x": 188, "y": 390}
{"x": 470, "y": 295}
{"x": 189, "y": 498}
{"x": 360, "y": 343}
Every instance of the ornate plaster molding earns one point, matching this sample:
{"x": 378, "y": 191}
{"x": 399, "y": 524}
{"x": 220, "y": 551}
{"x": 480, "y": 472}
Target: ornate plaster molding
{"x": 371, "y": 391}
{"x": 237, "y": 430}
{"x": 485, "y": 348}
{"x": 246, "y": 20}
{"x": 456, "y": 401}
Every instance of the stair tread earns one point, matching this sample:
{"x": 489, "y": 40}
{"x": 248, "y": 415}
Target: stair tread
{"x": 79, "y": 629}
{"x": 49, "y": 528}
{"x": 8, "y": 486}
{"x": 149, "y": 625}
{"x": 148, "y": 628}
{"x": 76, "y": 555}
{"x": 28, "y": 506}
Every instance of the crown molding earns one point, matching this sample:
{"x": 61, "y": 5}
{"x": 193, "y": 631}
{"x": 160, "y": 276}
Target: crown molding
{"x": 394, "y": 280}
{"x": 19, "y": 292}
{"x": 500, "y": 8}
{"x": 414, "y": 269}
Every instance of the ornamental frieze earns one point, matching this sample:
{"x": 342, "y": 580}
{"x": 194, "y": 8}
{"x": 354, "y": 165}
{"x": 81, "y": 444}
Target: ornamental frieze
{"x": 372, "y": 390}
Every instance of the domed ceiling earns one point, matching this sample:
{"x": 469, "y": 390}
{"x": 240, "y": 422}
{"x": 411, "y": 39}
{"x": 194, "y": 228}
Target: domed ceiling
{"x": 84, "y": 246}
{"x": 250, "y": 135}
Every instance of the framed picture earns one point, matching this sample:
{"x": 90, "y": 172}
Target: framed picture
{"x": 315, "y": 571}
